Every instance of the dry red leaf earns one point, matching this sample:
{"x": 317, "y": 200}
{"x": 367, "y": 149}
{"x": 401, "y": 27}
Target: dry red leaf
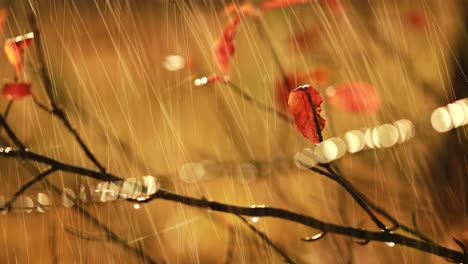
{"x": 224, "y": 46}
{"x": 14, "y": 49}
{"x": 319, "y": 76}
{"x": 302, "y": 112}
{"x": 355, "y": 96}
{"x": 15, "y": 91}
{"x": 273, "y": 4}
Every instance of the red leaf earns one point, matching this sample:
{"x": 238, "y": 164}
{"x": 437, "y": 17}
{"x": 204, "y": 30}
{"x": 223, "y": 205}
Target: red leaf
{"x": 224, "y": 46}
{"x": 272, "y": 4}
{"x": 319, "y": 76}
{"x": 14, "y": 49}
{"x": 302, "y": 111}
{"x": 355, "y": 96}
{"x": 14, "y": 91}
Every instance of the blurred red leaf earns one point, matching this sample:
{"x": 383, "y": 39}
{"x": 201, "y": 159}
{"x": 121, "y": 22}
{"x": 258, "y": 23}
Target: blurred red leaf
{"x": 246, "y": 8}
{"x": 301, "y": 110}
{"x": 14, "y": 49}
{"x": 319, "y": 76}
{"x": 305, "y": 40}
{"x": 355, "y": 96}
{"x": 272, "y": 4}
{"x": 3, "y": 18}
{"x": 417, "y": 19}
{"x": 224, "y": 46}
{"x": 335, "y": 6}
{"x": 14, "y": 91}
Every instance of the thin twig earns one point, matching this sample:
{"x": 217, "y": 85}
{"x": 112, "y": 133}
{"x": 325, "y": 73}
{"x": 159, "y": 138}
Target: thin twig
{"x": 267, "y": 240}
{"x": 42, "y": 62}
{"x": 383, "y": 212}
{"x": 7, "y": 111}
{"x": 56, "y": 109}
{"x": 229, "y": 251}
{"x": 85, "y": 236}
{"x": 8, "y": 108}
{"x": 362, "y": 201}
{"x": 25, "y": 187}
{"x": 29, "y": 155}
{"x": 11, "y": 134}
{"x": 112, "y": 236}
{"x": 268, "y": 41}
{"x": 260, "y": 105}
{"x": 40, "y": 105}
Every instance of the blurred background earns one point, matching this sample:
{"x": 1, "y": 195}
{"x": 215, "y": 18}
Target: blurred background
{"x": 124, "y": 71}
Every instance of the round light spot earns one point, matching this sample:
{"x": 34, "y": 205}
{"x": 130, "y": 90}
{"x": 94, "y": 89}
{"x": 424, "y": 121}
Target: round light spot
{"x": 326, "y": 151}
{"x": 151, "y": 184}
{"x": 100, "y": 191}
{"x": 404, "y": 130}
{"x": 386, "y": 135}
{"x": 68, "y": 197}
{"x": 464, "y": 105}
{"x": 112, "y": 192}
{"x": 131, "y": 188}
{"x": 191, "y": 172}
{"x": 213, "y": 169}
{"x": 43, "y": 201}
{"x": 368, "y": 138}
{"x": 247, "y": 172}
{"x": 303, "y": 161}
{"x": 412, "y": 129}
{"x": 340, "y": 144}
{"x": 174, "y": 63}
{"x": 354, "y": 140}
{"x": 457, "y": 114}
{"x": 24, "y": 203}
{"x": 330, "y": 91}
{"x": 309, "y": 153}
{"x": 84, "y": 194}
{"x": 441, "y": 120}
{"x": 375, "y": 138}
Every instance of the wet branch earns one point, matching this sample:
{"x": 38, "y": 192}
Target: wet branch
{"x": 262, "y": 211}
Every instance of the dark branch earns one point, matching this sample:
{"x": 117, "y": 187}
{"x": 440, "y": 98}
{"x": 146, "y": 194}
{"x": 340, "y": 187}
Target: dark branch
{"x": 250, "y": 99}
{"x": 311, "y": 222}
{"x": 267, "y": 240}
{"x": 25, "y": 187}
{"x": 251, "y": 211}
